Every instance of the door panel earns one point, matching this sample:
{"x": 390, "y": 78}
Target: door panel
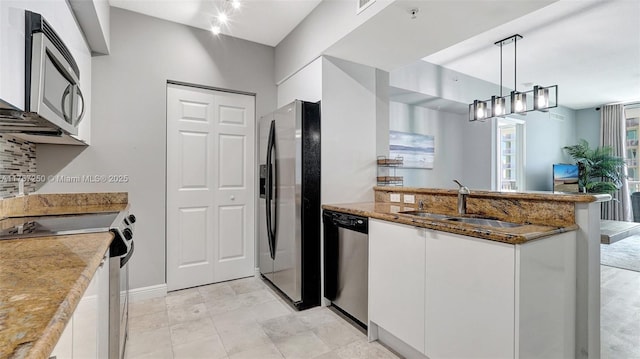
{"x": 195, "y": 111}
{"x": 193, "y": 151}
{"x": 235, "y": 187}
{"x": 233, "y": 115}
{"x": 210, "y": 186}
{"x": 190, "y": 253}
{"x": 287, "y": 264}
{"x": 232, "y": 219}
{"x": 193, "y": 236}
{"x": 233, "y": 176}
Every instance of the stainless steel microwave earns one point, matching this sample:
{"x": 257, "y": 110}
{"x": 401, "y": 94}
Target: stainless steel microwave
{"x": 52, "y": 76}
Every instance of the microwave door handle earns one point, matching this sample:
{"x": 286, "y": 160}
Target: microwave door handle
{"x": 66, "y": 93}
{"x": 83, "y": 106}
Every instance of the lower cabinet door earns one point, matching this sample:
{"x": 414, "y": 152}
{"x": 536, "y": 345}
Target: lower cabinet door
{"x": 87, "y": 333}
{"x": 85, "y": 323}
{"x": 396, "y": 280}
{"x": 470, "y": 300}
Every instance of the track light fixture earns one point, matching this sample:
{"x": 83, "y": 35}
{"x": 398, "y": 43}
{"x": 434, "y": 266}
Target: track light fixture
{"x": 540, "y": 98}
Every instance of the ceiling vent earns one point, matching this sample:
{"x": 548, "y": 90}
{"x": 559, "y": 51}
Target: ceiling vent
{"x": 363, "y": 4}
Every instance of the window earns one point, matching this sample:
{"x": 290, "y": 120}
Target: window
{"x": 631, "y": 157}
{"x": 509, "y": 155}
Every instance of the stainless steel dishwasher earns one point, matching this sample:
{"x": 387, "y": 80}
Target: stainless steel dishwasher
{"x": 346, "y": 263}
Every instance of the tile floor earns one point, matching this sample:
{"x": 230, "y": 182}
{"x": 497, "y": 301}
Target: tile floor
{"x": 240, "y": 319}
{"x": 246, "y": 319}
{"x": 619, "y": 313}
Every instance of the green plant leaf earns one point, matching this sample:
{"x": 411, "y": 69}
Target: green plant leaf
{"x": 601, "y": 171}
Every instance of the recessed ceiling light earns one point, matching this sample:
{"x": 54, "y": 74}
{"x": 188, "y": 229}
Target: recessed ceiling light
{"x": 222, "y": 17}
{"x": 215, "y": 29}
{"x": 235, "y": 4}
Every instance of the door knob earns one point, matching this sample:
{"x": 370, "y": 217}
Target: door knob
{"x": 232, "y": 198}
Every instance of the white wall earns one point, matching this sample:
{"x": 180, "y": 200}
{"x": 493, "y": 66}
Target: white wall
{"x": 348, "y": 131}
{"x": 305, "y": 85}
{"x": 433, "y": 80}
{"x": 129, "y": 116}
{"x": 588, "y": 126}
{"x": 93, "y": 17}
{"x": 546, "y": 135}
{"x": 446, "y": 128}
{"x": 324, "y": 26}
{"x": 382, "y": 113}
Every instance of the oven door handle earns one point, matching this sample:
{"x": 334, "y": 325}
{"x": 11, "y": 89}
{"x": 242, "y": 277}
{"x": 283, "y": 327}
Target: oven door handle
{"x": 125, "y": 259}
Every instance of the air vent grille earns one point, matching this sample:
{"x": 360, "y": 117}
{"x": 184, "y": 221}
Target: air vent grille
{"x": 556, "y": 116}
{"x": 363, "y": 4}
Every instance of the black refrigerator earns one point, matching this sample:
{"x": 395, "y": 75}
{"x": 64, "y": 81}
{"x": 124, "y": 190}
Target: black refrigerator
{"x": 289, "y": 205}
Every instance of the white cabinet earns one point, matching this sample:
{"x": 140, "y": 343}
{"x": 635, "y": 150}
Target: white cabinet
{"x": 546, "y": 297}
{"x": 12, "y": 51}
{"x": 396, "y": 280}
{"x": 452, "y": 296}
{"x": 470, "y": 292}
{"x": 87, "y": 333}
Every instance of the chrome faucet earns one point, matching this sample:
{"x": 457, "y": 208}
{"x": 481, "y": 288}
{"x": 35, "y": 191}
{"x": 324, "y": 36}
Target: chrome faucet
{"x": 463, "y": 192}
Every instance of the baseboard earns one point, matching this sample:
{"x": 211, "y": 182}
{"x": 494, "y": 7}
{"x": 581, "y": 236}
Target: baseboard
{"x": 154, "y": 291}
{"x": 397, "y": 346}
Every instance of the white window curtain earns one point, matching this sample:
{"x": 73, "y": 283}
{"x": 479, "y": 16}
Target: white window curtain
{"x": 613, "y": 134}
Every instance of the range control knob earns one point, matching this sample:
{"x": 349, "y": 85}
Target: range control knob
{"x": 126, "y": 221}
{"x": 127, "y": 234}
{"x": 132, "y": 218}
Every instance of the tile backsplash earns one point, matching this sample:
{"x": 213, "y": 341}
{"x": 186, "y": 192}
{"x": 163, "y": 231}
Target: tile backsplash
{"x": 17, "y": 160}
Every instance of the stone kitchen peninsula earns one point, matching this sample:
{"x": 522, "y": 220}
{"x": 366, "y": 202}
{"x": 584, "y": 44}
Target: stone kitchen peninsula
{"x": 443, "y": 284}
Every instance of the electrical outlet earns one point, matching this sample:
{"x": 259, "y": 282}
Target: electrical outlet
{"x": 409, "y": 198}
{"x": 394, "y": 197}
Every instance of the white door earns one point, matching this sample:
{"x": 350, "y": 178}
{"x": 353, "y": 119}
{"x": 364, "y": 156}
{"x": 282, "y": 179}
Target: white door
{"x": 210, "y": 186}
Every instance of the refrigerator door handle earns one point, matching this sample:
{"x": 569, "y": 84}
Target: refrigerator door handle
{"x": 270, "y": 191}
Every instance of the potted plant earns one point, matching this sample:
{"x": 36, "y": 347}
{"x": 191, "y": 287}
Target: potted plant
{"x": 600, "y": 171}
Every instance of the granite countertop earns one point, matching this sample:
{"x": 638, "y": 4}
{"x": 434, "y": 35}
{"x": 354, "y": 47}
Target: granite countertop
{"x": 389, "y": 212}
{"x": 42, "y": 279}
{"x": 532, "y": 195}
{"x": 41, "y": 282}
{"x": 63, "y": 203}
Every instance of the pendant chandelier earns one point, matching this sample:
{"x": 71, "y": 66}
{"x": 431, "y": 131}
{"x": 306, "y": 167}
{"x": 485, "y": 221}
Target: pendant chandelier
{"x": 537, "y": 99}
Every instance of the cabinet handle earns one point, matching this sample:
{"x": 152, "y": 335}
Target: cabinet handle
{"x": 104, "y": 259}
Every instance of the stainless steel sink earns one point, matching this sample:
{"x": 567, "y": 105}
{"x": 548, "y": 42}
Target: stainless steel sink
{"x": 424, "y": 214}
{"x": 484, "y": 222}
{"x": 470, "y": 220}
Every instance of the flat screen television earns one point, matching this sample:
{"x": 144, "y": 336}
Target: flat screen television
{"x": 565, "y": 177}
